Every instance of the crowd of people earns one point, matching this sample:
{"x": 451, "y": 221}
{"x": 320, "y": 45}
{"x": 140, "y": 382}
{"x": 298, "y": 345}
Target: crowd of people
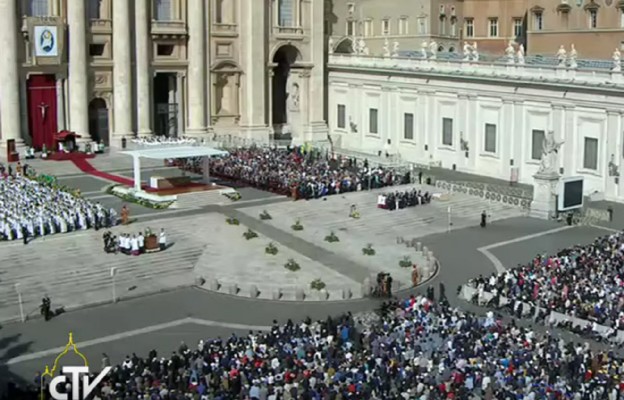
{"x": 418, "y": 349}
{"x": 31, "y": 208}
{"x": 400, "y": 200}
{"x": 133, "y": 244}
{"x": 585, "y": 282}
{"x": 300, "y": 172}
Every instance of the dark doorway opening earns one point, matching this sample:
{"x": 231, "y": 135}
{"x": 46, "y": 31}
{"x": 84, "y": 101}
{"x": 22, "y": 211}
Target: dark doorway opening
{"x": 98, "y": 121}
{"x": 165, "y": 105}
{"x": 285, "y": 57}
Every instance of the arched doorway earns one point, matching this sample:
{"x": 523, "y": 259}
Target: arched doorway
{"x": 344, "y": 47}
{"x": 284, "y": 59}
{"x": 98, "y": 120}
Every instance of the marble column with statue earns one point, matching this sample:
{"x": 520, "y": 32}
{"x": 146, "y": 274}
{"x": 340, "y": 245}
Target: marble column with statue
{"x": 546, "y": 180}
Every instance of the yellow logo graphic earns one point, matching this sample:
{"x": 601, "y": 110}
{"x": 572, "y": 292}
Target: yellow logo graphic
{"x": 49, "y": 372}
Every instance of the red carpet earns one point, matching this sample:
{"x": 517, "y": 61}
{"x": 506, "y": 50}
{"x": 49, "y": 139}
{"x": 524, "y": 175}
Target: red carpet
{"x": 87, "y": 168}
{"x": 60, "y": 156}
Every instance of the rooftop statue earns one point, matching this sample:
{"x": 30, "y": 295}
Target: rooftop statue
{"x": 433, "y": 48}
{"x": 386, "y": 48}
{"x": 520, "y": 54}
{"x": 423, "y": 49}
{"x": 509, "y": 53}
{"x": 395, "y": 49}
{"x": 572, "y": 57}
{"x": 561, "y": 56}
{"x": 617, "y": 60}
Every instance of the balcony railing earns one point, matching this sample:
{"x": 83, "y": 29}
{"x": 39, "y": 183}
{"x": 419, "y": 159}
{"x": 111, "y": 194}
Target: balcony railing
{"x": 101, "y": 25}
{"x": 168, "y": 27}
{"x": 288, "y": 31}
{"x": 223, "y": 28}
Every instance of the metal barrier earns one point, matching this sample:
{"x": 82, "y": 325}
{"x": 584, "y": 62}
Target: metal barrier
{"x": 511, "y": 199}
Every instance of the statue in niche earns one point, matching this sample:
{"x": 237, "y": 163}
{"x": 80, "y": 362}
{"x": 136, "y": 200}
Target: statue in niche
{"x": 520, "y": 54}
{"x": 222, "y": 86}
{"x": 613, "y": 168}
{"x": 294, "y": 97}
{"x": 561, "y": 56}
{"x": 549, "y": 163}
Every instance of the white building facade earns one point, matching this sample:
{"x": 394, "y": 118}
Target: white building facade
{"x": 480, "y": 118}
{"x": 108, "y": 69}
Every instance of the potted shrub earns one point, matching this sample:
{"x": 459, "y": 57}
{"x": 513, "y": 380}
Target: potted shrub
{"x": 271, "y": 249}
{"x": 265, "y": 215}
{"x": 292, "y": 265}
{"x": 406, "y": 262}
{"x": 297, "y": 226}
{"x": 250, "y": 234}
{"x": 332, "y": 238}
{"x": 232, "y": 221}
{"x": 368, "y": 250}
{"x": 317, "y": 284}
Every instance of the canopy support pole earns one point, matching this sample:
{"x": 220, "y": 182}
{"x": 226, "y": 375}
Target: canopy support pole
{"x": 206, "y": 169}
{"x": 137, "y": 173}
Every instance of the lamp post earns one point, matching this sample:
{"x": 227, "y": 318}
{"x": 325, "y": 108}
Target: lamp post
{"x": 21, "y": 303}
{"x": 113, "y": 273}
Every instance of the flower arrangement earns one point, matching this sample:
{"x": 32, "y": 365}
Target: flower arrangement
{"x": 232, "y": 221}
{"x": 317, "y": 284}
{"x": 292, "y": 265}
{"x": 332, "y": 238}
{"x": 265, "y": 215}
{"x": 368, "y": 250}
{"x": 271, "y": 249}
{"x": 297, "y": 226}
{"x": 130, "y": 198}
{"x": 406, "y": 262}
{"x": 250, "y": 234}
{"x": 234, "y": 196}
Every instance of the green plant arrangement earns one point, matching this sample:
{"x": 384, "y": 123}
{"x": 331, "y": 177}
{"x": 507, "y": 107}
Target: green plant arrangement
{"x": 271, "y": 249}
{"x": 265, "y": 215}
{"x": 234, "y": 196}
{"x": 317, "y": 284}
{"x": 232, "y": 221}
{"x": 406, "y": 262}
{"x": 250, "y": 234}
{"x": 368, "y": 250}
{"x": 129, "y": 198}
{"x": 332, "y": 238}
{"x": 292, "y": 265}
{"x": 297, "y": 226}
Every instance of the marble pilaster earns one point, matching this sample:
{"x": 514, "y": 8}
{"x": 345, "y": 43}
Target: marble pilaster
{"x": 60, "y": 102}
{"x": 78, "y": 76}
{"x": 197, "y": 86}
{"x": 122, "y": 72}
{"x": 9, "y": 71}
{"x": 143, "y": 75}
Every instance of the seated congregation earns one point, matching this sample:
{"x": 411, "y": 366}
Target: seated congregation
{"x": 585, "y": 282}
{"x": 300, "y": 172}
{"x": 31, "y": 208}
{"x": 400, "y": 200}
{"x": 416, "y": 349}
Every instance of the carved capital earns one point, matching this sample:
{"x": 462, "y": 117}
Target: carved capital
{"x": 305, "y": 73}
{"x": 614, "y": 113}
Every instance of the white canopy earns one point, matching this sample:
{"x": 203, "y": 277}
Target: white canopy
{"x": 165, "y": 152}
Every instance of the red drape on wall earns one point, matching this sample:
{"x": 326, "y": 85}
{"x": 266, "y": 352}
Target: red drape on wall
{"x": 42, "y": 110}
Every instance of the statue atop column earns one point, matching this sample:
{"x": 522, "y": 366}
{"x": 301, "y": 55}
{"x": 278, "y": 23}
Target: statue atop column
{"x": 509, "y": 53}
{"x": 617, "y": 60}
{"x": 423, "y": 49}
{"x": 572, "y": 58}
{"x": 549, "y": 163}
{"x": 520, "y": 54}
{"x": 561, "y": 56}
{"x": 386, "y": 48}
{"x": 433, "y": 48}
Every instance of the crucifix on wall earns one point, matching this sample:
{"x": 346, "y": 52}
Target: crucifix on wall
{"x": 44, "y": 110}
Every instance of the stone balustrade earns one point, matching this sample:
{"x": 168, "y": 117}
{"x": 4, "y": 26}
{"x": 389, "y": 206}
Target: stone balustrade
{"x": 596, "y": 74}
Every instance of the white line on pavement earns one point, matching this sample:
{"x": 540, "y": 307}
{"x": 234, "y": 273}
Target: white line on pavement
{"x": 497, "y": 263}
{"x": 604, "y": 228}
{"x": 142, "y": 331}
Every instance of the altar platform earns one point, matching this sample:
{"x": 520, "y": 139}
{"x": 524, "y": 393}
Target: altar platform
{"x": 191, "y": 187}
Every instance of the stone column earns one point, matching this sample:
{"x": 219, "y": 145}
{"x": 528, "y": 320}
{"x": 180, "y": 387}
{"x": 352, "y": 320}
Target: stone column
{"x": 9, "y": 73}
{"x": 570, "y": 163}
{"x": 518, "y": 135}
{"x": 179, "y": 83}
{"x": 613, "y": 154}
{"x": 270, "y": 102}
{"x": 473, "y": 128}
{"x": 196, "y": 69}
{"x": 143, "y": 75}
{"x": 60, "y": 102}
{"x": 505, "y": 139}
{"x": 557, "y": 127}
{"x": 78, "y": 76}
{"x": 122, "y": 73}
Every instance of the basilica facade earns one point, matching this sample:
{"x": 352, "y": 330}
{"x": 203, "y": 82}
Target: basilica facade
{"x": 108, "y": 69}
{"x": 488, "y": 118}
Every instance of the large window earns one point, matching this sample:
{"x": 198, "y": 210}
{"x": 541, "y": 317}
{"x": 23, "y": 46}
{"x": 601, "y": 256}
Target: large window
{"x": 162, "y": 10}
{"x": 493, "y": 27}
{"x": 537, "y": 139}
{"x": 593, "y": 19}
{"x": 350, "y": 28}
{"x": 590, "y": 154}
{"x": 403, "y": 26}
{"x": 453, "y": 27}
{"x": 368, "y": 27}
{"x": 341, "y": 118}
{"x": 385, "y": 27}
{"x": 408, "y": 126}
{"x": 517, "y": 27}
{"x": 538, "y": 21}
{"x": 447, "y": 131}
{"x": 286, "y": 13}
{"x": 372, "y": 121}
{"x": 490, "y": 138}
{"x": 469, "y": 27}
{"x": 442, "y": 25}
{"x": 37, "y": 8}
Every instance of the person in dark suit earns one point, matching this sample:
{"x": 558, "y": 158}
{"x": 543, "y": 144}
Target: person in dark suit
{"x": 483, "y": 219}
{"x": 25, "y": 234}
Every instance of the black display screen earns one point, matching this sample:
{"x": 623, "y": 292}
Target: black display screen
{"x": 573, "y": 194}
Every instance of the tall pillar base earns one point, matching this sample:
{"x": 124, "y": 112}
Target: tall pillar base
{"x": 544, "y": 204}
{"x": 198, "y": 133}
{"x": 316, "y": 132}
{"x": 256, "y": 133}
